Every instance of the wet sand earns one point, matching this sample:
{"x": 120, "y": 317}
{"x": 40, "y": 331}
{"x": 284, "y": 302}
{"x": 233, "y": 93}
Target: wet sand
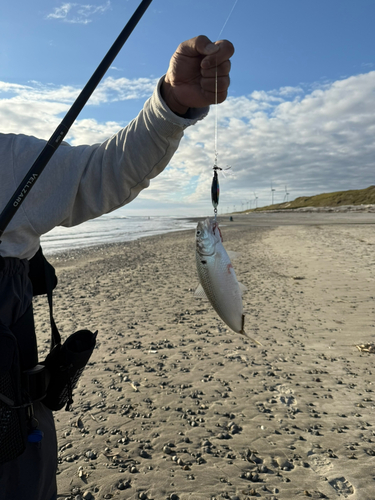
{"x": 174, "y": 406}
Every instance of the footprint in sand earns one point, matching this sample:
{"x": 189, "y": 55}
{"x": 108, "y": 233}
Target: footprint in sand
{"x": 320, "y": 463}
{"x": 342, "y": 486}
{"x": 286, "y": 395}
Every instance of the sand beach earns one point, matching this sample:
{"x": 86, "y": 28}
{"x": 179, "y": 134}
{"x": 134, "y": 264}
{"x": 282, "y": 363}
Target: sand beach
{"x": 174, "y": 406}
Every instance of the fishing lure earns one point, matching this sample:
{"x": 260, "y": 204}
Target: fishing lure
{"x": 215, "y": 189}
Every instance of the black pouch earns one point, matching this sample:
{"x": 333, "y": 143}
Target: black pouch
{"x": 65, "y": 364}
{"x": 42, "y": 274}
{"x": 13, "y": 417}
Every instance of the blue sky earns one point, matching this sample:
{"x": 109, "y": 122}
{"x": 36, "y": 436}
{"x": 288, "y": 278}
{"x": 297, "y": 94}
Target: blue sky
{"x": 301, "y": 107}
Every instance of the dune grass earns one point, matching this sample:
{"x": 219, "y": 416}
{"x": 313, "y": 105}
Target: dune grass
{"x": 352, "y": 197}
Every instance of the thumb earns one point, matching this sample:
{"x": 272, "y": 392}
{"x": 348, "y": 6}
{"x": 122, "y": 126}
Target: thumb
{"x": 200, "y": 45}
{"x": 204, "y": 46}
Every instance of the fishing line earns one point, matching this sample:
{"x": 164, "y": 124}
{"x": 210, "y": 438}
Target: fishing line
{"x": 230, "y": 13}
{"x": 215, "y": 188}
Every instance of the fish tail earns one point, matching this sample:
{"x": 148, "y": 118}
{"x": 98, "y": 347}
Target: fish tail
{"x": 242, "y": 331}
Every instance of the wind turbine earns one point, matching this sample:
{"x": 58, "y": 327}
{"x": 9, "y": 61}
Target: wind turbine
{"x": 272, "y": 191}
{"x": 256, "y": 200}
{"x": 286, "y": 194}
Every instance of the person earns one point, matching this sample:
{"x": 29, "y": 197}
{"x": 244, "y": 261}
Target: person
{"x": 81, "y": 183}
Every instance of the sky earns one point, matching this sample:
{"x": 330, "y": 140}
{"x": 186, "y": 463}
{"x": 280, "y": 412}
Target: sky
{"x": 300, "y": 114}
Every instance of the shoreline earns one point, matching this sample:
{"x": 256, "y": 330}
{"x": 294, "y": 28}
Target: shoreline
{"x": 110, "y": 229}
{"x": 173, "y": 405}
{"x": 266, "y": 219}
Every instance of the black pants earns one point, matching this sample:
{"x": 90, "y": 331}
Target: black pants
{"x": 32, "y": 475}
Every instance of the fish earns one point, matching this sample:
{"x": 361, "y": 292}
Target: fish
{"x": 217, "y": 279}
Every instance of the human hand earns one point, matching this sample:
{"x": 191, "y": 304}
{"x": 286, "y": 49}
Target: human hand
{"x": 191, "y": 76}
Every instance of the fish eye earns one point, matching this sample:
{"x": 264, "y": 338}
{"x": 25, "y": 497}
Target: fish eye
{"x": 198, "y": 232}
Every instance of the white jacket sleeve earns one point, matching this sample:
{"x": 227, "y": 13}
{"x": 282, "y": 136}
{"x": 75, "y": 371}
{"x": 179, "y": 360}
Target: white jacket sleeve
{"x": 84, "y": 182}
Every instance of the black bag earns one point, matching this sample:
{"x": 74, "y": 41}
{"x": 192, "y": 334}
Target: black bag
{"x": 65, "y": 364}
{"x": 13, "y": 418}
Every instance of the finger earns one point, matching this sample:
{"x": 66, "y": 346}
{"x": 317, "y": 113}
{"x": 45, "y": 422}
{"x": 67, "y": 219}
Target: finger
{"x": 213, "y": 98}
{"x": 222, "y": 70}
{"x": 210, "y": 84}
{"x": 224, "y": 50}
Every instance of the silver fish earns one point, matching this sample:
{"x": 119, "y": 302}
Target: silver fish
{"x": 218, "y": 281}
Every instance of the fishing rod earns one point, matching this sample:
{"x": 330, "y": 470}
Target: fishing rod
{"x": 54, "y": 142}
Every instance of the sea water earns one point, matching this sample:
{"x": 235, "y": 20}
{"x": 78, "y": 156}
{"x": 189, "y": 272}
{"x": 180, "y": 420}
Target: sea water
{"x": 110, "y": 228}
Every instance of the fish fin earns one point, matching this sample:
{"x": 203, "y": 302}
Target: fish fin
{"x": 200, "y": 293}
{"x": 242, "y": 332}
{"x": 243, "y": 288}
{"x": 251, "y": 338}
{"x": 233, "y": 255}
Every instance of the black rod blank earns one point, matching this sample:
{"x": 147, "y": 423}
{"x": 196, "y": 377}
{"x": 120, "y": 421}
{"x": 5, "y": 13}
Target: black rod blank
{"x": 39, "y": 164}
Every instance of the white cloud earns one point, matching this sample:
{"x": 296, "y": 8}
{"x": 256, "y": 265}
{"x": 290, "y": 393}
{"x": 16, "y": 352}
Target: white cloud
{"x": 122, "y": 89}
{"x": 76, "y": 13}
{"x": 109, "y": 90}
{"x": 320, "y": 141}
{"x": 310, "y": 140}
{"x": 37, "y": 109}
{"x": 89, "y": 131}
